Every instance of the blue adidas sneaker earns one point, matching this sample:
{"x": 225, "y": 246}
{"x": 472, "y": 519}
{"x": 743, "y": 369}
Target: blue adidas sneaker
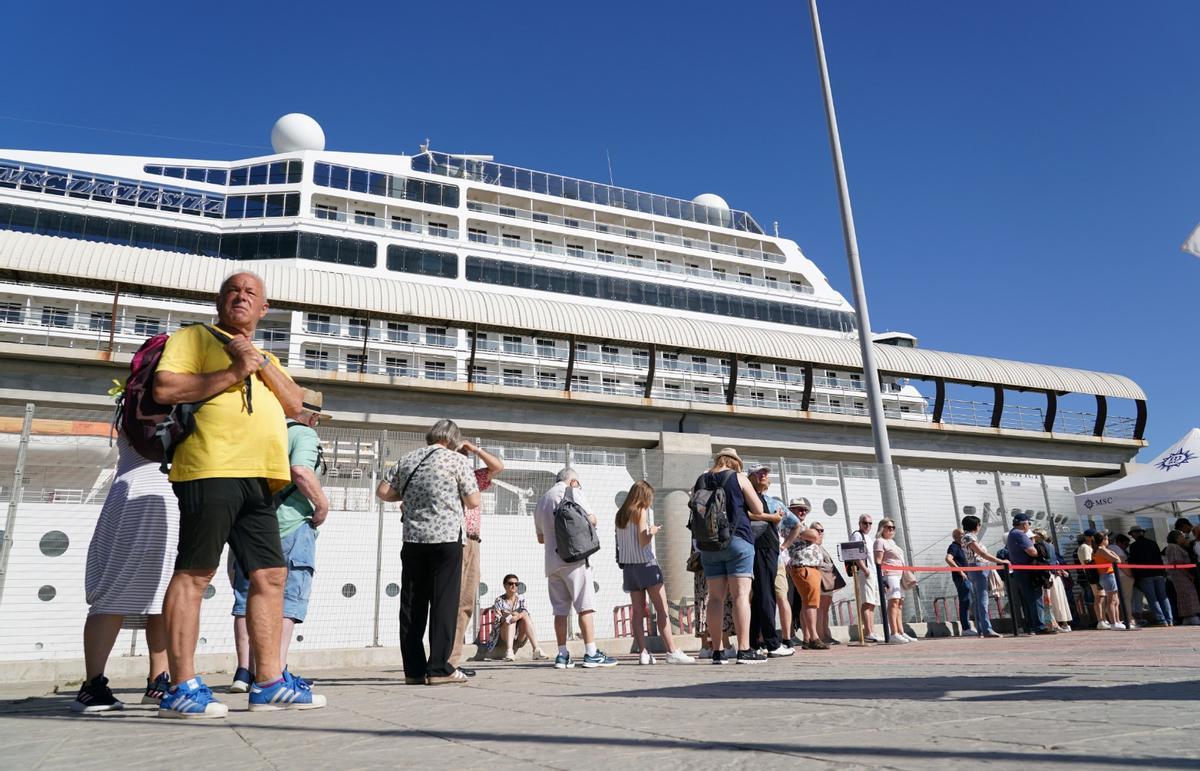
{"x": 598, "y": 659}
{"x": 191, "y": 700}
{"x": 284, "y": 693}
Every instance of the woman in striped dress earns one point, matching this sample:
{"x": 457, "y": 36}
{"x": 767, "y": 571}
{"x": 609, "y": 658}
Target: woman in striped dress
{"x": 129, "y": 564}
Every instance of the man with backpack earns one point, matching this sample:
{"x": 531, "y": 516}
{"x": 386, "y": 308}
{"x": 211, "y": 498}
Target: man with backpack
{"x": 302, "y": 508}
{"x": 225, "y": 474}
{"x": 566, "y": 527}
{"x": 722, "y": 500}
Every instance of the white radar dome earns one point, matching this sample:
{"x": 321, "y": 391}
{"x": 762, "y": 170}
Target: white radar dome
{"x": 297, "y": 131}
{"x": 712, "y": 200}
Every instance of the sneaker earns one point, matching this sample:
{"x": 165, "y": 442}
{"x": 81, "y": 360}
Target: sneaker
{"x": 646, "y": 657}
{"x": 781, "y": 652}
{"x": 598, "y": 659}
{"x": 1119, "y": 627}
{"x": 795, "y": 642}
{"x": 719, "y": 658}
{"x": 831, "y": 641}
{"x": 191, "y": 700}
{"x": 285, "y": 693}
{"x": 1045, "y": 631}
{"x": 897, "y": 639}
{"x": 509, "y": 657}
{"x": 969, "y": 633}
{"x": 1103, "y": 625}
{"x": 1064, "y": 628}
{"x": 875, "y": 637}
{"x": 679, "y": 657}
{"x": 241, "y": 681}
{"x": 990, "y": 633}
{"x": 750, "y": 656}
{"x": 705, "y": 653}
{"x": 156, "y": 688}
{"x": 458, "y": 677}
{"x": 95, "y": 696}
{"x": 540, "y": 655}
{"x": 730, "y": 653}
{"x": 563, "y": 661}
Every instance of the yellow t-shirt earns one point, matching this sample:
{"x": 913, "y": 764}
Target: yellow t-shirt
{"x": 228, "y": 441}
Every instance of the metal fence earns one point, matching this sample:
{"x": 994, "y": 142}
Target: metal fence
{"x": 56, "y": 467}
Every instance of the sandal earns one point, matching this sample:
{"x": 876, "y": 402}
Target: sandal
{"x": 458, "y": 678}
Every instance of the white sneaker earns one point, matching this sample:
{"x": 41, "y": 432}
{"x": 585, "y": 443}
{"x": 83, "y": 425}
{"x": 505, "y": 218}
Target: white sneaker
{"x": 781, "y": 652}
{"x": 875, "y": 637}
{"x": 969, "y": 633}
{"x": 540, "y": 655}
{"x": 904, "y": 637}
{"x": 1119, "y": 627}
{"x": 509, "y": 657}
{"x": 705, "y": 653}
{"x": 1104, "y": 625}
{"x": 1064, "y": 627}
{"x": 679, "y": 657}
{"x": 645, "y": 657}
{"x": 897, "y": 639}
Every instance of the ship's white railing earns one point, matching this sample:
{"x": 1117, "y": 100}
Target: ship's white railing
{"x": 380, "y": 222}
{"x": 648, "y": 265}
{"x": 653, "y": 236}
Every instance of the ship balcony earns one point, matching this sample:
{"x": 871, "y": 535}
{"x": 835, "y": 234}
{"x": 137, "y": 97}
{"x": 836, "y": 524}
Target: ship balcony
{"x": 643, "y": 265}
{"x": 376, "y": 223}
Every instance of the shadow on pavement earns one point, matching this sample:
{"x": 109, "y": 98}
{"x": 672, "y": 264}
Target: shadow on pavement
{"x": 993, "y": 688}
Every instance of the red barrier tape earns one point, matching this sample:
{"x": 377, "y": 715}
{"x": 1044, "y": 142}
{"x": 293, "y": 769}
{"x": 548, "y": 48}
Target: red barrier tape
{"x": 1099, "y": 566}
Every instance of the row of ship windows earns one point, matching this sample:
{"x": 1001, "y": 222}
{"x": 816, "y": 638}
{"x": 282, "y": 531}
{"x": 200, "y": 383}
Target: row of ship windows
{"x": 590, "y": 192}
{"x": 274, "y": 173}
{"x": 62, "y": 317}
{"x": 387, "y": 185}
{"x": 346, "y": 251}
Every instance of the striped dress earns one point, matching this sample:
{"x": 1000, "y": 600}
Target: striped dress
{"x": 132, "y": 553}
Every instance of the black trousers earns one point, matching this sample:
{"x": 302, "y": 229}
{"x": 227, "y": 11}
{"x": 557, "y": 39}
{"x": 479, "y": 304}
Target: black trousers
{"x": 762, "y": 595}
{"x": 430, "y": 580}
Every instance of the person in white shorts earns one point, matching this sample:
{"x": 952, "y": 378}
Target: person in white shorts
{"x": 865, "y": 579}
{"x": 570, "y": 583}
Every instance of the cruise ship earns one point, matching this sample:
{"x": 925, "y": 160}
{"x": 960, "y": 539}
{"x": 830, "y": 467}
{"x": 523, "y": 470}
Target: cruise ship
{"x": 633, "y": 331}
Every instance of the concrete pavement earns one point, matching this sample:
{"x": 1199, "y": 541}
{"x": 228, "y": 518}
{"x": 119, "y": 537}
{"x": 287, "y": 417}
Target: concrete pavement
{"x": 1083, "y": 700}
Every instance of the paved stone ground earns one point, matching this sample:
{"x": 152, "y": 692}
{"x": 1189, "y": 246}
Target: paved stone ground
{"x": 1084, "y": 700}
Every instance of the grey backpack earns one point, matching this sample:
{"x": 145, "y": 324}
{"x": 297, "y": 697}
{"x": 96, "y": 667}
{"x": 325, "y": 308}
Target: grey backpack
{"x": 574, "y": 537}
{"x": 709, "y": 521}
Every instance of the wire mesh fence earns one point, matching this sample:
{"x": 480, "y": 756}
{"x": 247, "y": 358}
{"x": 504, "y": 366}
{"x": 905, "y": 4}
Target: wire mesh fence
{"x": 55, "y": 476}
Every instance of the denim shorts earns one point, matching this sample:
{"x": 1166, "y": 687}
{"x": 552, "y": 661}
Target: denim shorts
{"x": 1108, "y": 582}
{"x": 736, "y": 560}
{"x": 300, "y": 552}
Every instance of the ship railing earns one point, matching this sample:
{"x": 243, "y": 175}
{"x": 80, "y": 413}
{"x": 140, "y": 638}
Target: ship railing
{"x": 640, "y": 264}
{"x": 380, "y": 222}
{"x": 81, "y": 329}
{"x": 576, "y": 223}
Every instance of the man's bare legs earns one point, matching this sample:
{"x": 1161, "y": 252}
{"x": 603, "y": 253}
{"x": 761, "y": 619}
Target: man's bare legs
{"x": 264, "y": 621}
{"x": 181, "y": 607}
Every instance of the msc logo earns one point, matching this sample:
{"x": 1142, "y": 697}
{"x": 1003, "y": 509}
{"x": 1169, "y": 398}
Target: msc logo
{"x": 1175, "y": 460}
{"x": 1088, "y": 503}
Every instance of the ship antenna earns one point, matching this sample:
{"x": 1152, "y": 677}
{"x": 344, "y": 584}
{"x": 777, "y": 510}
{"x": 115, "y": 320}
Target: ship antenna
{"x": 610, "y": 176}
{"x": 425, "y": 146}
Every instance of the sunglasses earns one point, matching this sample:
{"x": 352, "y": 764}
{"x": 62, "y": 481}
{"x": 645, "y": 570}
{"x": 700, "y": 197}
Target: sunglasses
{"x": 819, "y": 529}
{"x": 512, "y": 583}
{"x": 889, "y": 527}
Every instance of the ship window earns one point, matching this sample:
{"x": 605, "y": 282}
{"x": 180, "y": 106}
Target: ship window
{"x": 217, "y": 176}
{"x": 278, "y": 173}
{"x": 422, "y": 261}
{"x": 146, "y": 325}
{"x": 196, "y": 175}
{"x": 396, "y": 366}
{"x": 339, "y": 177}
{"x": 358, "y": 180}
{"x": 275, "y": 205}
{"x": 547, "y": 380}
{"x": 55, "y": 316}
{"x": 255, "y": 206}
{"x": 10, "y": 313}
{"x": 295, "y": 171}
{"x": 239, "y": 176}
{"x": 259, "y": 174}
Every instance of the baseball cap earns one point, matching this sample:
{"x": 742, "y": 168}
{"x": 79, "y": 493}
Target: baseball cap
{"x": 1021, "y": 517}
{"x": 1090, "y": 532}
{"x": 758, "y": 469}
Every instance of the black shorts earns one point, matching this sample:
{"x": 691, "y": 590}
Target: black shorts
{"x": 240, "y": 512}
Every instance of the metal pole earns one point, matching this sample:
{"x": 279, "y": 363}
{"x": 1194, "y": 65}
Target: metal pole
{"x": 112, "y": 319}
{"x": 1050, "y": 515}
{"x": 642, "y": 452}
{"x": 954, "y": 498}
{"x": 1000, "y": 502}
{"x": 14, "y": 497}
{"x": 783, "y": 491}
{"x": 883, "y": 450}
{"x": 1013, "y": 611}
{"x": 845, "y": 500}
{"x": 379, "y": 453}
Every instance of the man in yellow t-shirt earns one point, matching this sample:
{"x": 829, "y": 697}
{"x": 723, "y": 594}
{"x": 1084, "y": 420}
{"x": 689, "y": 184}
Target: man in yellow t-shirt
{"x": 224, "y": 475}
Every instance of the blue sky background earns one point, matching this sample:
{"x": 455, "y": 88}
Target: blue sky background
{"x": 1023, "y": 173}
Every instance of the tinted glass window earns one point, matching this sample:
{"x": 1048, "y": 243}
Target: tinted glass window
{"x": 217, "y": 176}
{"x": 239, "y": 176}
{"x": 422, "y": 261}
{"x": 259, "y": 174}
{"x": 295, "y": 171}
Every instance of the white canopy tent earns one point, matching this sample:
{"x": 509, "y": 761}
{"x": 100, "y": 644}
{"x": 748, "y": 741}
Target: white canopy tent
{"x": 1168, "y": 485}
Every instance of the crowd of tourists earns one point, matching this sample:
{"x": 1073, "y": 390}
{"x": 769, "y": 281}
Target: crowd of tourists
{"x": 243, "y": 473}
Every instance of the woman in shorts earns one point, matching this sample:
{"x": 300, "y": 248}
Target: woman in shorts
{"x": 1104, "y": 557}
{"x": 642, "y": 575}
{"x": 888, "y": 553}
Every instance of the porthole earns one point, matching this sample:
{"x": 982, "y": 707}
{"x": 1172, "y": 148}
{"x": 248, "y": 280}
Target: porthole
{"x": 299, "y": 638}
{"x": 47, "y": 593}
{"x": 54, "y": 543}
{"x": 349, "y": 590}
{"x": 483, "y": 589}
{"x": 830, "y": 507}
{"x": 595, "y": 586}
{"x": 391, "y": 589}
{"x": 210, "y": 591}
{"x": 202, "y": 641}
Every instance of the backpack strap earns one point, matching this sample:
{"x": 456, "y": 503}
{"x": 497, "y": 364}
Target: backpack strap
{"x": 318, "y": 466}
{"x": 248, "y": 382}
{"x": 404, "y": 489}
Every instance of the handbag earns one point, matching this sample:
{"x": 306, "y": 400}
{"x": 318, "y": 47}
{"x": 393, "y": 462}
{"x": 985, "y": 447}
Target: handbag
{"x": 908, "y": 579}
{"x": 693, "y": 563}
{"x": 831, "y": 577}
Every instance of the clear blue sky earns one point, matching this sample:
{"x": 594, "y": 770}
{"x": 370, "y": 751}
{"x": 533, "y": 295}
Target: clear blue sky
{"x": 1023, "y": 173}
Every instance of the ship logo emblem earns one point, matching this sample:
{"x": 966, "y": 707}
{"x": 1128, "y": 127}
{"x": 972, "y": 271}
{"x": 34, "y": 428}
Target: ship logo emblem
{"x": 1175, "y": 459}
{"x": 1088, "y": 504}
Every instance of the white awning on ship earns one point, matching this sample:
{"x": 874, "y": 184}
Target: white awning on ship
{"x": 62, "y": 260}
